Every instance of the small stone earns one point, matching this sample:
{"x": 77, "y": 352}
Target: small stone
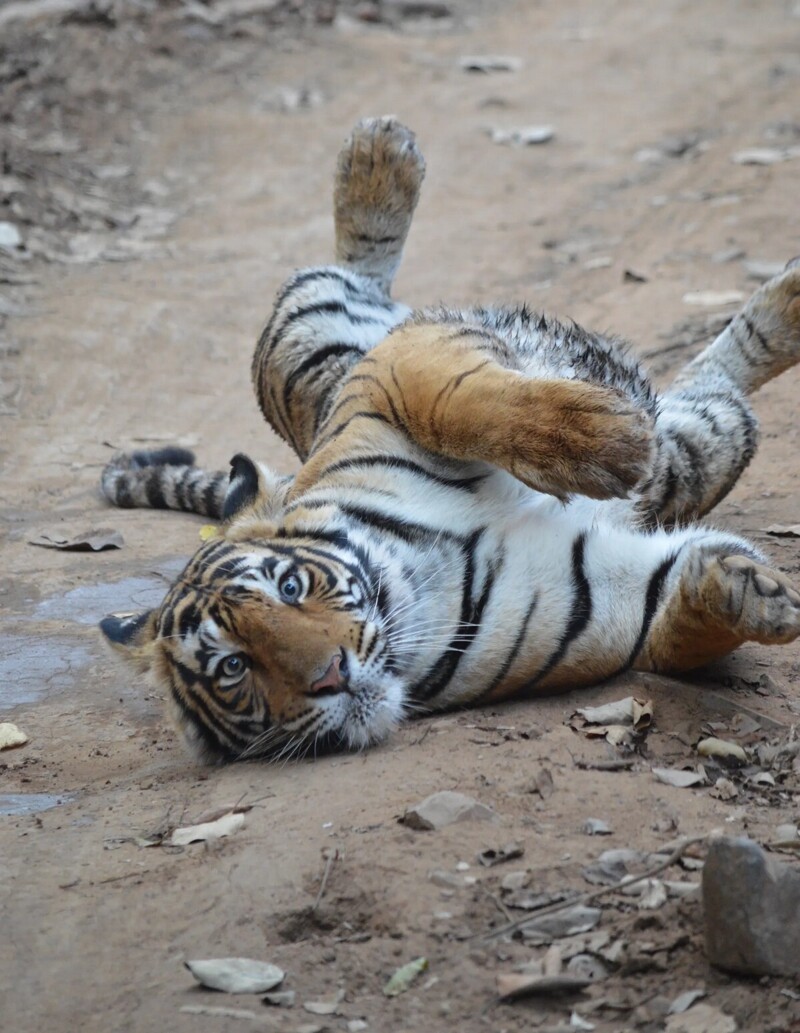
{"x": 280, "y": 998}
{"x": 514, "y": 881}
{"x": 10, "y": 237}
{"x": 786, "y": 833}
{"x": 356, "y": 1026}
{"x": 702, "y": 1018}
{"x": 596, "y": 827}
{"x": 236, "y": 975}
{"x": 685, "y": 1000}
{"x": 568, "y": 922}
{"x": 445, "y": 879}
{"x": 747, "y": 897}
{"x": 730, "y": 254}
{"x": 446, "y": 808}
{"x": 760, "y": 156}
{"x": 724, "y": 789}
{"x": 709, "y": 298}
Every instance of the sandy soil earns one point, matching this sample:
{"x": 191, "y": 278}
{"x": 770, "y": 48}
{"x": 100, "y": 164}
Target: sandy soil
{"x": 194, "y": 164}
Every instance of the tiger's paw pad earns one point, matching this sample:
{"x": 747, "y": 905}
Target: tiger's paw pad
{"x": 759, "y": 603}
{"x": 378, "y": 178}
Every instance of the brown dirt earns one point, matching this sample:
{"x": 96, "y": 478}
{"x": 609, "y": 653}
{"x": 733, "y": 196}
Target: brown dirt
{"x": 222, "y": 193}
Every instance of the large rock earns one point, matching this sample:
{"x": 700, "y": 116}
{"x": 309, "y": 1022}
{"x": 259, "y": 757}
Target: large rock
{"x": 444, "y": 808}
{"x": 751, "y": 904}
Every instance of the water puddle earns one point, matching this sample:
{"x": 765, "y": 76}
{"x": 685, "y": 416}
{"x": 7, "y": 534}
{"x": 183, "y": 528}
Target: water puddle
{"x": 29, "y": 803}
{"x": 33, "y": 666}
{"x": 88, "y": 604}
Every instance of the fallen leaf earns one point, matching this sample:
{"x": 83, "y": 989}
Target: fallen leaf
{"x": 721, "y": 748}
{"x": 89, "y": 541}
{"x": 629, "y": 710}
{"x": 236, "y": 975}
{"x": 685, "y": 1000}
{"x": 208, "y": 830}
{"x": 207, "y": 532}
{"x": 679, "y": 778}
{"x": 11, "y": 736}
{"x": 631, "y": 276}
{"x": 568, "y": 922}
{"x": 513, "y": 985}
{"x": 724, "y": 789}
{"x": 612, "y": 866}
{"x": 402, "y": 979}
{"x": 783, "y": 530}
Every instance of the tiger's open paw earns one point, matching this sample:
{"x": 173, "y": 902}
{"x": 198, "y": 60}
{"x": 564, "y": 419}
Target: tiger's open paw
{"x": 576, "y": 438}
{"x": 755, "y": 602}
{"x": 378, "y": 178}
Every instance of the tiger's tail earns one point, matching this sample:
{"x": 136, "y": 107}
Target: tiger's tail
{"x": 164, "y": 478}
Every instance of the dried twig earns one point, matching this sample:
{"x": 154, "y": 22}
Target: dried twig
{"x": 619, "y": 764}
{"x": 332, "y": 856}
{"x": 591, "y": 897}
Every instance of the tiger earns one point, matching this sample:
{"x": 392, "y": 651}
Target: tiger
{"x": 490, "y": 504}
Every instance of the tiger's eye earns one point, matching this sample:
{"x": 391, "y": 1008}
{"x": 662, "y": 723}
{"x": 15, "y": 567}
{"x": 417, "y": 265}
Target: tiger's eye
{"x": 290, "y": 588}
{"x": 233, "y": 666}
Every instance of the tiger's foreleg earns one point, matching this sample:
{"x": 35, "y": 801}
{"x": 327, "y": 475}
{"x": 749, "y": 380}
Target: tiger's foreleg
{"x": 455, "y": 390}
{"x": 717, "y": 603}
{"x": 706, "y": 431}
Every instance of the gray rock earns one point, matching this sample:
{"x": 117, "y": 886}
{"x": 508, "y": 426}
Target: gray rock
{"x": 751, "y": 904}
{"x": 445, "y": 808}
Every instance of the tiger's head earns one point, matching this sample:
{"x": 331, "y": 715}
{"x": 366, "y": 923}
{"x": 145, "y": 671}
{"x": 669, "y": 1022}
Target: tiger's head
{"x": 268, "y": 644}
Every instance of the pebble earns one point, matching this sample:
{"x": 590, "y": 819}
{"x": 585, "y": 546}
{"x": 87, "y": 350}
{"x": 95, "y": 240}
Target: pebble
{"x": 747, "y": 897}
{"x": 702, "y": 1018}
{"x": 10, "y": 237}
{"x": 446, "y": 808}
{"x": 596, "y": 827}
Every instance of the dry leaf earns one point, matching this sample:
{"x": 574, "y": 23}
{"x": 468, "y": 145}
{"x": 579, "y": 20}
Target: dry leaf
{"x": 326, "y": 1006}
{"x": 628, "y": 711}
{"x": 89, "y": 541}
{"x": 402, "y": 979}
{"x": 722, "y": 748}
{"x": 208, "y": 830}
{"x": 783, "y": 530}
{"x": 236, "y": 975}
{"x": 512, "y": 985}
{"x": 207, "y": 532}
{"x": 499, "y": 855}
{"x": 490, "y": 63}
{"x": 11, "y": 736}
{"x": 678, "y": 777}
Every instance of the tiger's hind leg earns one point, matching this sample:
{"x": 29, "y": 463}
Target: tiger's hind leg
{"x": 719, "y": 602}
{"x": 706, "y": 431}
{"x": 379, "y": 173}
{"x": 327, "y": 318}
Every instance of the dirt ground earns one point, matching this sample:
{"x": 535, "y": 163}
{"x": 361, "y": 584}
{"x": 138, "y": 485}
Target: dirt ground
{"x": 166, "y": 166}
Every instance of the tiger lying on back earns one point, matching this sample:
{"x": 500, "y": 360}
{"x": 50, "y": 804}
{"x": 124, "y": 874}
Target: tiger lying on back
{"x": 481, "y": 511}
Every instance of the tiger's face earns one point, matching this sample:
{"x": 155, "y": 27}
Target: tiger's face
{"x": 270, "y": 648}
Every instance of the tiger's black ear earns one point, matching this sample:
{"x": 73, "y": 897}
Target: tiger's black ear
{"x": 132, "y": 635}
{"x": 243, "y": 487}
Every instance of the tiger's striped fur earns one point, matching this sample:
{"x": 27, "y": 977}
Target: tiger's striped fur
{"x": 490, "y": 504}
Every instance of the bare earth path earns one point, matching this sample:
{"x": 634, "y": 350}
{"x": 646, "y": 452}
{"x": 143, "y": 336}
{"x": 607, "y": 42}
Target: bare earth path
{"x": 633, "y": 204}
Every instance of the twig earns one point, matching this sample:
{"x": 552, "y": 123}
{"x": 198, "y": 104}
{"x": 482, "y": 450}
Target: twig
{"x": 332, "y": 856}
{"x": 589, "y": 898}
{"x": 127, "y": 875}
{"x": 620, "y": 764}
{"x": 498, "y": 903}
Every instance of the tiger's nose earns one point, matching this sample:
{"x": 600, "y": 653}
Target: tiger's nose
{"x": 335, "y": 678}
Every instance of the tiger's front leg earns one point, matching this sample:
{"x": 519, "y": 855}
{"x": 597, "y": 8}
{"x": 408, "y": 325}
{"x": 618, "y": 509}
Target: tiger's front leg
{"x": 720, "y": 602}
{"x": 456, "y": 391}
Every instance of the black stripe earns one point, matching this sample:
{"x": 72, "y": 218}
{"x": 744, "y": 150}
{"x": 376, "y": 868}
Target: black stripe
{"x": 513, "y": 652}
{"x": 404, "y": 529}
{"x": 362, "y": 414}
{"x": 440, "y": 674}
{"x": 122, "y": 493}
{"x": 755, "y": 332}
{"x": 399, "y": 463}
{"x": 316, "y": 359}
{"x": 580, "y": 613}
{"x": 651, "y": 601}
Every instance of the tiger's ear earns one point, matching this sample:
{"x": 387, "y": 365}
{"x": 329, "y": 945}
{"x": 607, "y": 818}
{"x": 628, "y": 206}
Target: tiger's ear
{"x": 254, "y": 491}
{"x": 132, "y": 635}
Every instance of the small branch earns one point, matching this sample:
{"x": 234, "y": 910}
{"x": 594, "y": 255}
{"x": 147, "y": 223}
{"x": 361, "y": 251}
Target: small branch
{"x": 332, "y": 856}
{"x": 620, "y": 764}
{"x": 591, "y": 897}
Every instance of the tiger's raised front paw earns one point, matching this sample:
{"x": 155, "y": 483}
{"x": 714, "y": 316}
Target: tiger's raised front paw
{"x": 581, "y": 439}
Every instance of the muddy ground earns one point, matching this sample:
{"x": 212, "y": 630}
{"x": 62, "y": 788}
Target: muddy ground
{"x": 165, "y": 166}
